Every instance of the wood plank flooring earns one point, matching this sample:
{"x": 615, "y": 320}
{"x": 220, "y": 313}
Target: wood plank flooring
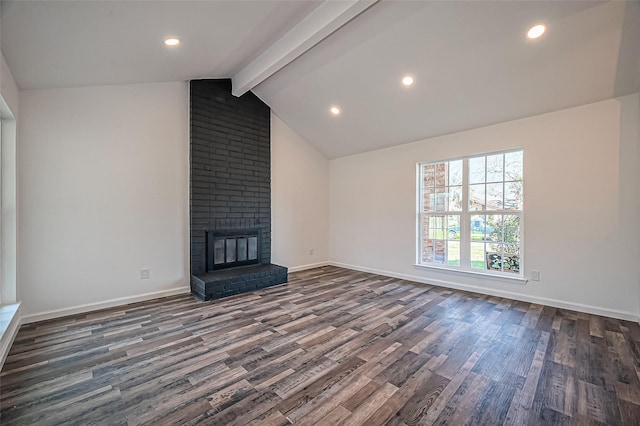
{"x": 334, "y": 346}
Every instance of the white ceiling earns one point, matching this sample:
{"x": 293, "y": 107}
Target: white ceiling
{"x": 472, "y": 62}
{"x": 51, "y": 43}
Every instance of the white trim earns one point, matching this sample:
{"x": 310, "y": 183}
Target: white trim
{"x": 324, "y": 20}
{"x": 88, "y": 307}
{"x": 629, "y": 316}
{"x": 515, "y": 279}
{"x": 309, "y": 266}
{"x": 8, "y": 216}
{"x": 9, "y": 334}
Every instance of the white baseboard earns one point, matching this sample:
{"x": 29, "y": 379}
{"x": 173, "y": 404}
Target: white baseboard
{"x": 309, "y": 266}
{"x": 88, "y": 307}
{"x": 9, "y": 334}
{"x": 80, "y": 309}
{"x": 499, "y": 293}
{"x": 441, "y": 283}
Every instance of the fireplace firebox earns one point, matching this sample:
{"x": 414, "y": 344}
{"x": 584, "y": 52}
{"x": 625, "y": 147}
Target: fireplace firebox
{"x": 230, "y": 248}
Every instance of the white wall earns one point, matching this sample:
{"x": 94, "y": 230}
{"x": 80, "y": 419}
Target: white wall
{"x": 582, "y": 207}
{"x": 103, "y": 192}
{"x": 299, "y": 200}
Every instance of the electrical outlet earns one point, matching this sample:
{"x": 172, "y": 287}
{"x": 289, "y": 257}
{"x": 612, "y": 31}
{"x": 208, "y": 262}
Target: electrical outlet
{"x": 535, "y": 275}
{"x": 311, "y": 251}
{"x": 145, "y": 273}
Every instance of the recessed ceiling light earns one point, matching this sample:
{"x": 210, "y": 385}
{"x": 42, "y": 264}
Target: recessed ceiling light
{"x": 335, "y": 110}
{"x": 171, "y": 41}
{"x": 536, "y": 31}
{"x": 407, "y": 80}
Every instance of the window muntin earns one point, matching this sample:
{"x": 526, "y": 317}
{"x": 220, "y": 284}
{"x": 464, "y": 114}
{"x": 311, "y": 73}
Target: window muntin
{"x": 470, "y": 214}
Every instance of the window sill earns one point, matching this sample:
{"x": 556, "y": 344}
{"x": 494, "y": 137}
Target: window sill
{"x": 517, "y": 279}
{"x": 9, "y": 324}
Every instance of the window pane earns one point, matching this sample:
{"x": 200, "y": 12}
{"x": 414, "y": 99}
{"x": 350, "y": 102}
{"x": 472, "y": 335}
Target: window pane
{"x": 476, "y": 197}
{"x": 453, "y": 253}
{"x": 495, "y": 168}
{"x": 429, "y": 200}
{"x": 455, "y": 172}
{"x": 453, "y": 227}
{"x": 494, "y": 257}
{"x": 494, "y": 196}
{"x": 494, "y": 227}
{"x": 434, "y": 227}
{"x": 477, "y": 255}
{"x": 511, "y": 229}
{"x": 441, "y": 174}
{"x": 513, "y": 196}
{"x": 455, "y": 198}
{"x": 426, "y": 228}
{"x": 431, "y": 232}
{"x": 477, "y": 227}
{"x": 427, "y": 250}
{"x": 513, "y": 166}
{"x": 440, "y": 255}
{"x": 428, "y": 173}
{"x": 440, "y": 201}
{"x": 511, "y": 261}
{"x": 436, "y": 247}
{"x": 436, "y": 222}
{"x": 494, "y": 247}
{"x": 476, "y": 170}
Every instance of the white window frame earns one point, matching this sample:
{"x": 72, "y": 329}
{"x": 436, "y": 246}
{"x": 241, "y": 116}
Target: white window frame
{"x": 465, "y": 220}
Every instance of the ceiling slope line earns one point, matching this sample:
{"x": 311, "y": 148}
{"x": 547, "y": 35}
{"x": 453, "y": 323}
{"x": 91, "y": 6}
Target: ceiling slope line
{"x": 315, "y": 27}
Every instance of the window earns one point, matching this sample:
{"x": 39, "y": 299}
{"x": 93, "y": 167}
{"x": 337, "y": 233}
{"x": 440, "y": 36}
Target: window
{"x": 470, "y": 213}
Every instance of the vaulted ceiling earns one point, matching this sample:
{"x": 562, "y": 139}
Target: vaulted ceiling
{"x": 472, "y": 62}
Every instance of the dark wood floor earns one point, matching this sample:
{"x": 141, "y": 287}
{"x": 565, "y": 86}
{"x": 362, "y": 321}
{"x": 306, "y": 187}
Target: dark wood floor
{"x": 333, "y": 347}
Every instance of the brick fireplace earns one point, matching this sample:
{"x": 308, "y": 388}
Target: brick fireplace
{"x": 230, "y": 192}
